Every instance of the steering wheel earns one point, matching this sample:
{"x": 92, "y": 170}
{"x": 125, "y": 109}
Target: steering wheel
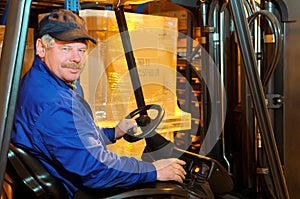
{"x": 147, "y": 124}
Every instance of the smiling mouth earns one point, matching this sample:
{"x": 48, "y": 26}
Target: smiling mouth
{"x": 72, "y": 66}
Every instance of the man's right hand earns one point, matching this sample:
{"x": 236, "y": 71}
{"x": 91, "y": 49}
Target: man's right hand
{"x": 170, "y": 169}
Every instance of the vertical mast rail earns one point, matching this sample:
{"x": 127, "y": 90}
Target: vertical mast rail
{"x": 258, "y": 98}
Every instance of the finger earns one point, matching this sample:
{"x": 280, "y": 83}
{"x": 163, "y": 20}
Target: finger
{"x": 179, "y": 167}
{"x": 178, "y": 173}
{"x": 134, "y": 123}
{"x": 182, "y": 169}
{"x": 181, "y": 173}
{"x": 131, "y": 124}
{"x": 132, "y": 128}
{"x": 179, "y": 178}
{"x": 181, "y": 162}
{"x": 135, "y": 129}
{"x": 178, "y": 161}
{"x": 179, "y": 170}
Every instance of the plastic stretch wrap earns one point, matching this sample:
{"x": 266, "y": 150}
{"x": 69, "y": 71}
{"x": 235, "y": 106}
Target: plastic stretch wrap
{"x": 106, "y": 79}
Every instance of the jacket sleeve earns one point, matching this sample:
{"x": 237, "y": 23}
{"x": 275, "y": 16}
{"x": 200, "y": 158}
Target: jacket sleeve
{"x": 77, "y": 146}
{"x": 109, "y": 133}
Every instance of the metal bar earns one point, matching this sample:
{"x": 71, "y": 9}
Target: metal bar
{"x": 188, "y": 78}
{"x": 10, "y": 71}
{"x": 156, "y": 141}
{"x": 5, "y": 12}
{"x": 121, "y": 20}
{"x": 258, "y": 98}
{"x": 188, "y": 73}
{"x": 73, "y": 5}
{"x": 222, "y": 90}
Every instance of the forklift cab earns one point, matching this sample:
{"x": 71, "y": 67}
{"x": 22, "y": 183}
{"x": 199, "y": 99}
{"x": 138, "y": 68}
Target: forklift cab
{"x": 206, "y": 177}
{"x": 26, "y": 176}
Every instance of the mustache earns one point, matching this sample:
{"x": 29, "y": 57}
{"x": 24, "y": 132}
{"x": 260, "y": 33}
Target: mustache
{"x": 72, "y": 65}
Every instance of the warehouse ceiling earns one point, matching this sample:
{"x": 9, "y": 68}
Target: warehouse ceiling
{"x": 43, "y": 6}
{"x": 152, "y": 7}
{"x": 37, "y": 6}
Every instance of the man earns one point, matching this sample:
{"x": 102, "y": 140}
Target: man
{"x": 53, "y": 121}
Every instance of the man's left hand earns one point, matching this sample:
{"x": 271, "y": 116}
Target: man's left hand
{"x": 123, "y": 126}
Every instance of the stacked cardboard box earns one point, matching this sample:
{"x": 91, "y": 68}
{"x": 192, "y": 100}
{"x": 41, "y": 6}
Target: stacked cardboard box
{"x": 106, "y": 79}
{"x": 29, "y": 52}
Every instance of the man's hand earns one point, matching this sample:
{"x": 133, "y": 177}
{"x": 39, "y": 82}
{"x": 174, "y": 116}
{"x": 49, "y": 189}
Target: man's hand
{"x": 123, "y": 126}
{"x": 170, "y": 169}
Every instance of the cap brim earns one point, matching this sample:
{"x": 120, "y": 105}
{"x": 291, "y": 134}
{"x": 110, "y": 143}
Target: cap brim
{"x": 72, "y": 35}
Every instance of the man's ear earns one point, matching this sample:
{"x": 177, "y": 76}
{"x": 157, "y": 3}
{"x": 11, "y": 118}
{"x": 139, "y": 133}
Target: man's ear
{"x": 40, "y": 48}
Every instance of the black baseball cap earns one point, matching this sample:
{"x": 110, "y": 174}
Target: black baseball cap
{"x": 64, "y": 25}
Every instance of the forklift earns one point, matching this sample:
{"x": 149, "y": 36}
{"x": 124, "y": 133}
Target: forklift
{"x": 209, "y": 175}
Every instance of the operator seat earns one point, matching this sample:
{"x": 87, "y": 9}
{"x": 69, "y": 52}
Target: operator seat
{"x": 28, "y": 178}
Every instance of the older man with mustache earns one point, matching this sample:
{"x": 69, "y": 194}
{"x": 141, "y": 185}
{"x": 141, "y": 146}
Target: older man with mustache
{"x": 55, "y": 123}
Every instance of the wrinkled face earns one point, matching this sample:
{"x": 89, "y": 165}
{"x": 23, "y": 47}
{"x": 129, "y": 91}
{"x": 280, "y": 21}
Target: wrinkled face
{"x": 66, "y": 59}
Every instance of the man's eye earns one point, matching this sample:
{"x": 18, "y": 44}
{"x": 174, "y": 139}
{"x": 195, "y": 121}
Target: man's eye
{"x": 66, "y": 49}
{"x": 82, "y": 51}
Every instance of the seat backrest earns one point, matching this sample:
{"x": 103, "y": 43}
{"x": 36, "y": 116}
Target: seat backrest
{"x": 30, "y": 178}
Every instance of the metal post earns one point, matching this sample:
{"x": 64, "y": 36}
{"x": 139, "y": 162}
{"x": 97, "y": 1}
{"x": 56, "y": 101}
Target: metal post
{"x": 121, "y": 20}
{"x": 73, "y": 5}
{"x": 258, "y": 97}
{"x": 10, "y": 71}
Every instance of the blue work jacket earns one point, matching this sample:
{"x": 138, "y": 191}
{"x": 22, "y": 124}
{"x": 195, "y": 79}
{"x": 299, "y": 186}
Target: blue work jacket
{"x": 55, "y": 123}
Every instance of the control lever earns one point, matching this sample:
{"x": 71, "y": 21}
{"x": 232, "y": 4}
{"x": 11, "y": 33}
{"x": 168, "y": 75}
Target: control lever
{"x": 199, "y": 169}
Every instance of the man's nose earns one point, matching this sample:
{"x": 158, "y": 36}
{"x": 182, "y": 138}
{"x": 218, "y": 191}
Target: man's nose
{"x": 76, "y": 57}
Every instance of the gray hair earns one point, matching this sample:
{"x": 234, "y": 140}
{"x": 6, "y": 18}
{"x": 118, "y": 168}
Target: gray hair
{"x": 48, "y": 41}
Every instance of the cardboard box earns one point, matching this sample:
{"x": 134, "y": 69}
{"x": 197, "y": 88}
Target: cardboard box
{"x": 29, "y": 51}
{"x": 106, "y": 79}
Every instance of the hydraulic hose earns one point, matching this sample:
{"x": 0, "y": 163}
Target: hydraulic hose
{"x": 276, "y": 29}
